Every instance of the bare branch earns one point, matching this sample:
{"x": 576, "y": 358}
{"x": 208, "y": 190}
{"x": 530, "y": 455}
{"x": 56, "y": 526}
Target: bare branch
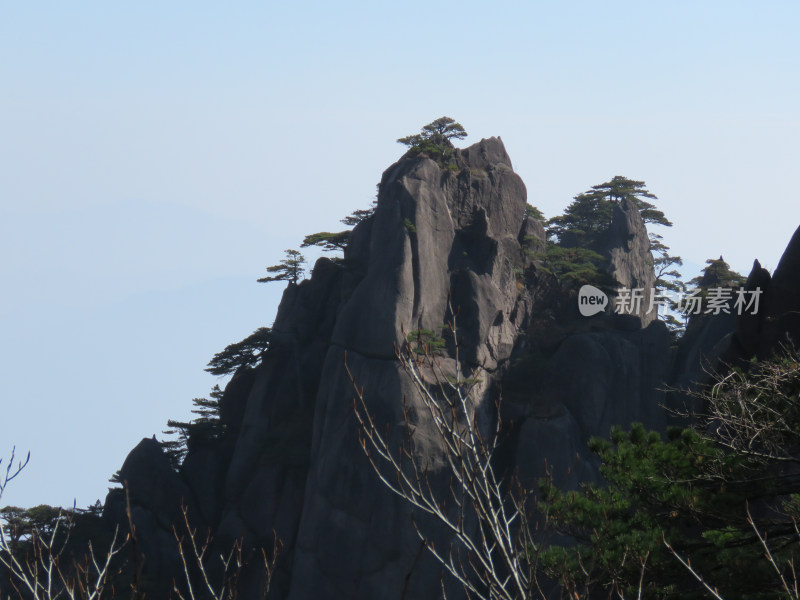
{"x": 490, "y": 558}
{"x": 688, "y": 565}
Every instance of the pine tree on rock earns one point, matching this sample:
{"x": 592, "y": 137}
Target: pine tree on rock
{"x": 289, "y": 269}
{"x": 434, "y": 140}
{"x": 589, "y": 215}
{"x": 246, "y": 353}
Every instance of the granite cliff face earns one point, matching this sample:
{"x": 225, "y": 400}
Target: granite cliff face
{"x": 435, "y": 235}
{"x": 442, "y": 242}
{"x": 631, "y": 263}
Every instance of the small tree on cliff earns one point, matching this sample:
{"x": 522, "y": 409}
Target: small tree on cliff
{"x": 206, "y": 426}
{"x": 718, "y": 273}
{"x": 328, "y": 241}
{"x": 667, "y": 275}
{"x": 587, "y": 220}
{"x": 338, "y": 240}
{"x": 360, "y": 214}
{"x": 246, "y": 353}
{"x": 532, "y": 212}
{"x": 435, "y": 138}
{"x": 289, "y": 269}
{"x": 588, "y": 217}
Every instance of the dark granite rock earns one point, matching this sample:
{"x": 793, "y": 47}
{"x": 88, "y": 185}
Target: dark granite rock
{"x": 153, "y": 484}
{"x": 156, "y": 496}
{"x": 627, "y": 246}
{"x": 442, "y": 243}
{"x": 748, "y": 327}
{"x": 433, "y": 228}
{"x": 780, "y": 320}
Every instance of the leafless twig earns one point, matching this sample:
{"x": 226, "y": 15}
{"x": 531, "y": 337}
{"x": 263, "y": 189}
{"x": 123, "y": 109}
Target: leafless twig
{"x": 486, "y": 514}
{"x": 231, "y": 563}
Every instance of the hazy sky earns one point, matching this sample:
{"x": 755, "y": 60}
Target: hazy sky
{"x": 155, "y": 157}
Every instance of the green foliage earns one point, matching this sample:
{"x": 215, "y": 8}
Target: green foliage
{"x": 696, "y": 490}
{"x": 586, "y": 219}
{"x": 589, "y": 215}
{"x": 175, "y": 448}
{"x": 622, "y": 187}
{"x": 22, "y": 526}
{"x": 204, "y": 428}
{"x": 534, "y": 247}
{"x": 20, "y": 523}
{"x": 667, "y": 276}
{"x": 412, "y": 230}
{"x": 359, "y": 215}
{"x": 16, "y": 524}
{"x": 656, "y": 490}
{"x": 586, "y": 222}
{"x": 574, "y": 267}
{"x": 337, "y": 241}
{"x": 246, "y": 353}
{"x": 289, "y": 269}
{"x": 668, "y": 279}
{"x": 718, "y": 273}
{"x": 69, "y": 531}
{"x": 442, "y": 129}
{"x": 434, "y": 140}
{"x": 533, "y": 213}
{"x": 328, "y": 241}
{"x": 425, "y": 342}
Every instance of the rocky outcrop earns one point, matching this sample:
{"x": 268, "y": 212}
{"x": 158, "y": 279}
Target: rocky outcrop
{"x": 436, "y": 232}
{"x": 445, "y": 243}
{"x": 149, "y": 510}
{"x": 768, "y": 320}
{"x": 593, "y": 381}
{"x": 780, "y": 312}
{"x": 442, "y": 244}
{"x": 627, "y": 247}
{"x": 748, "y": 327}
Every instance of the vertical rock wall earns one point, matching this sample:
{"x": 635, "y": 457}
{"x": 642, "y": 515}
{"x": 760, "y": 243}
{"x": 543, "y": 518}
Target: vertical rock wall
{"x": 444, "y": 242}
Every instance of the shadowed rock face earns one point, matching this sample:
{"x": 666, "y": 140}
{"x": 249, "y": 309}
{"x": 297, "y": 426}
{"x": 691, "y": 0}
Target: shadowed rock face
{"x": 443, "y": 242}
{"x": 780, "y": 316}
{"x": 712, "y": 342}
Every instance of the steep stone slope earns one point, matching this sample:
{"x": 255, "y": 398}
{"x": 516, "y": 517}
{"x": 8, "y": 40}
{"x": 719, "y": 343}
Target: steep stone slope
{"x": 631, "y": 263}
{"x": 434, "y": 232}
{"x": 443, "y": 242}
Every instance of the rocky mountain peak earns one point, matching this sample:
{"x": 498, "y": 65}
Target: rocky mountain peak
{"x": 439, "y": 235}
{"x": 444, "y": 243}
{"x": 630, "y": 259}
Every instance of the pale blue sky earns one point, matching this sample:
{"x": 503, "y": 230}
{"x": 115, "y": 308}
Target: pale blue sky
{"x": 155, "y": 157}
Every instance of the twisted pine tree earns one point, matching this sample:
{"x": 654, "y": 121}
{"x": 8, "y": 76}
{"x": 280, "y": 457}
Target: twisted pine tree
{"x": 434, "y": 140}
